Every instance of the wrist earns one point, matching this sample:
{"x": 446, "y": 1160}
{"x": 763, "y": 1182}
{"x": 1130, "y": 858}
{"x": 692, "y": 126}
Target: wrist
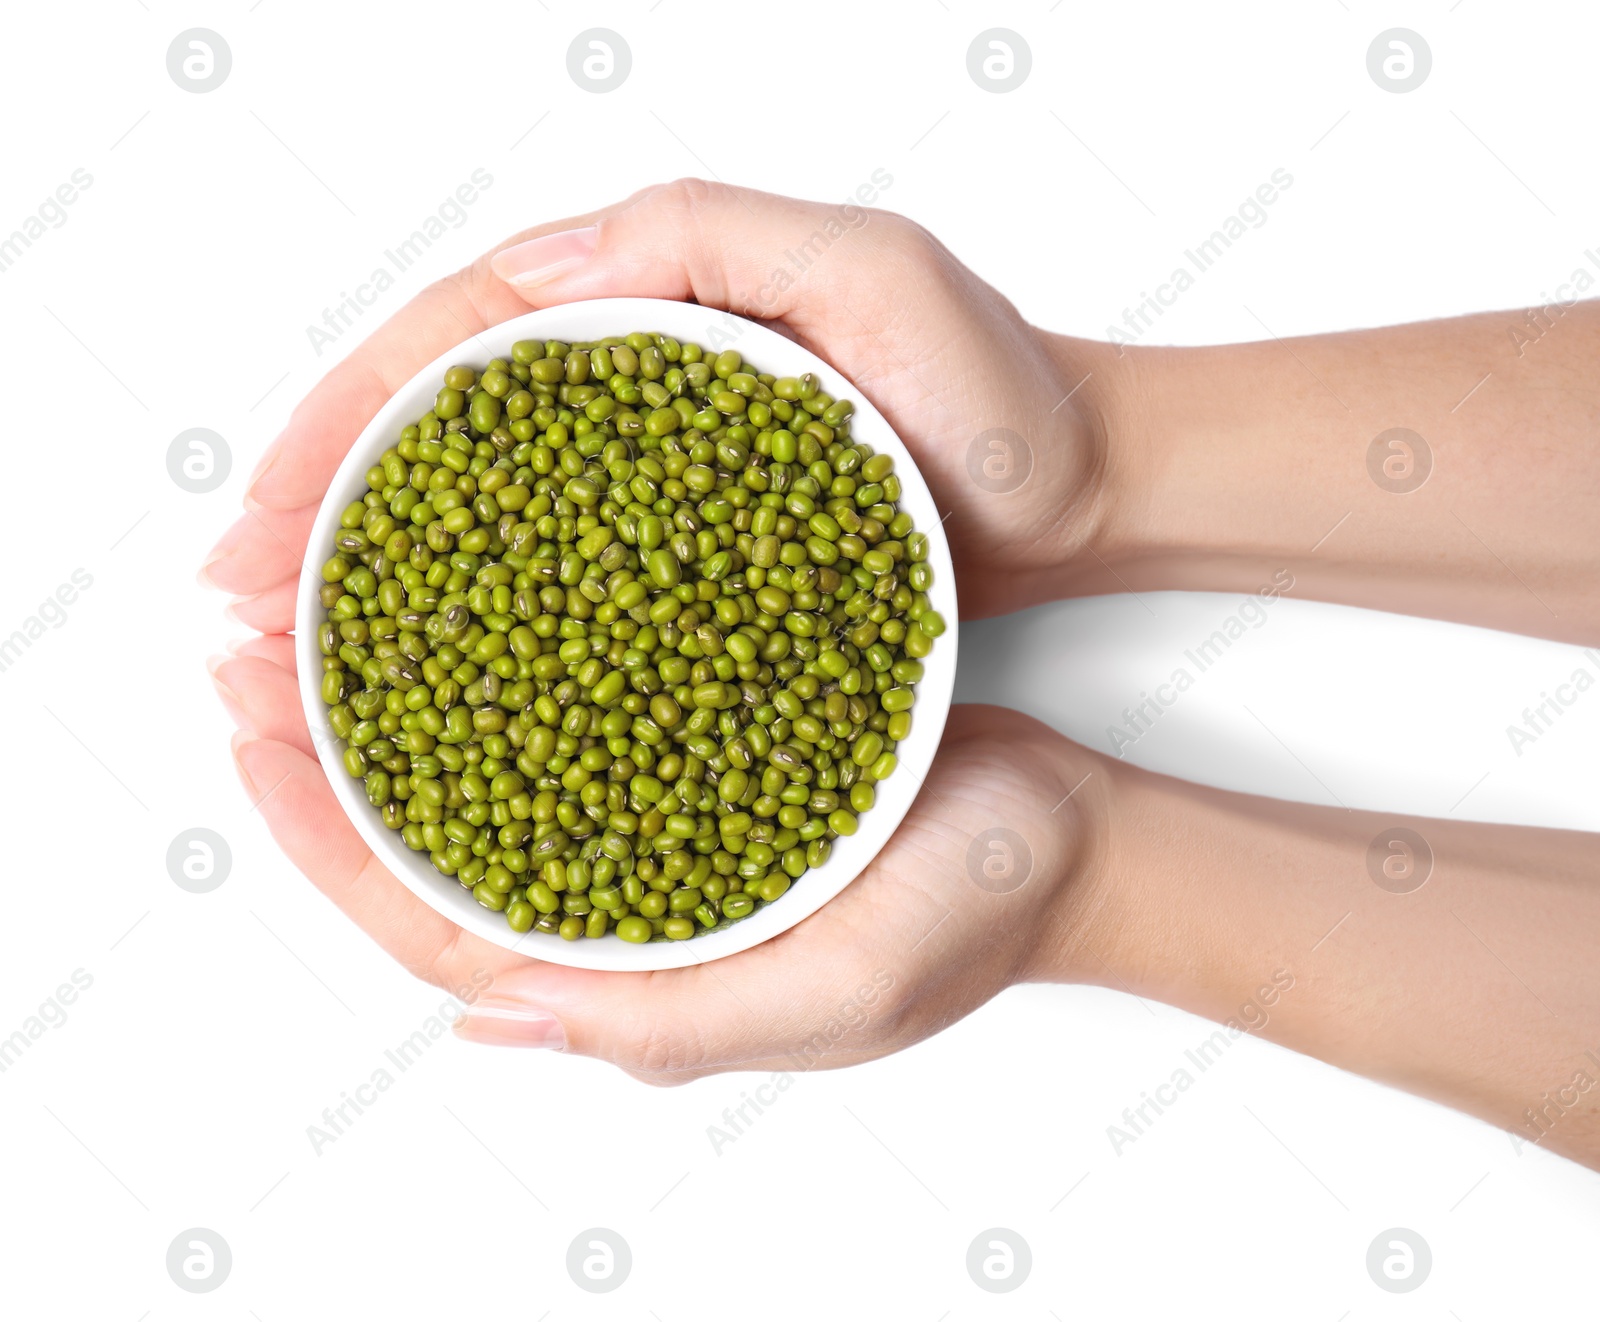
{"x": 1106, "y": 414}
{"x": 1090, "y": 923}
{"x": 1198, "y": 482}
{"x": 1137, "y": 916}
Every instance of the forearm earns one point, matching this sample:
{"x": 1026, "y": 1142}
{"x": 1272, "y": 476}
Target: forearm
{"x": 1479, "y": 988}
{"x": 1224, "y": 465}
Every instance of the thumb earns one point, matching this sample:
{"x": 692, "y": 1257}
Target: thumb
{"x": 749, "y": 252}
{"x": 751, "y": 1011}
{"x": 628, "y": 1019}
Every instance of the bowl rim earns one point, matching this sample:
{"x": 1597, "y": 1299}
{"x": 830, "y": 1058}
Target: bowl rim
{"x": 769, "y": 351}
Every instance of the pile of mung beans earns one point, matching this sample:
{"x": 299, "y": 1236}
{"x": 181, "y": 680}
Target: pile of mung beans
{"x": 623, "y": 636}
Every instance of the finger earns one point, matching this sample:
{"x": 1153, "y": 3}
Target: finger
{"x": 762, "y": 1008}
{"x": 271, "y": 611}
{"x": 751, "y": 1011}
{"x": 297, "y": 803}
{"x": 275, "y": 647}
{"x": 298, "y": 466}
{"x": 873, "y": 294}
{"x": 908, "y": 948}
{"x": 728, "y": 248}
{"x": 261, "y": 550}
{"x": 263, "y": 698}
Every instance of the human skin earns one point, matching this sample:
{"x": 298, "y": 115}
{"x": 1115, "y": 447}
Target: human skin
{"x": 1146, "y": 468}
{"x": 1233, "y": 462}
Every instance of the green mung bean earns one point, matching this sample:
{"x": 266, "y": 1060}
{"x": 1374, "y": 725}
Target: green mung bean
{"x": 622, "y": 636}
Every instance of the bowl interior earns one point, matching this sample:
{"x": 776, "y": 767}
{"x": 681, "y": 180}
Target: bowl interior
{"x": 769, "y": 352}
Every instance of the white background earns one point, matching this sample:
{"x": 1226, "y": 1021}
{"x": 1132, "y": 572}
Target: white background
{"x": 177, "y": 294}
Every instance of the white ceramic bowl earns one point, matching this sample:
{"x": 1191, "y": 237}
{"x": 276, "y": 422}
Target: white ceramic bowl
{"x": 768, "y": 351}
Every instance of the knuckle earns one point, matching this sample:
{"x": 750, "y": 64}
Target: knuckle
{"x": 436, "y": 962}
{"x": 661, "y": 1080}
{"x": 475, "y": 283}
{"x": 916, "y": 241}
{"x": 682, "y": 201}
{"x": 901, "y": 255}
{"x": 694, "y": 211}
{"x": 690, "y": 194}
{"x": 657, "y": 1046}
{"x": 891, "y": 1011}
{"x": 860, "y": 1027}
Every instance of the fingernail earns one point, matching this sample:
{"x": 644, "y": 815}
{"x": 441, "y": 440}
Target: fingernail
{"x": 241, "y": 739}
{"x": 230, "y": 699}
{"x": 538, "y": 260}
{"x": 499, "y": 1022}
{"x": 268, "y": 459}
{"x": 221, "y": 551}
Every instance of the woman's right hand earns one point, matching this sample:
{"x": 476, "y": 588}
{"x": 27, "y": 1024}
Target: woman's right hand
{"x": 1003, "y": 420}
